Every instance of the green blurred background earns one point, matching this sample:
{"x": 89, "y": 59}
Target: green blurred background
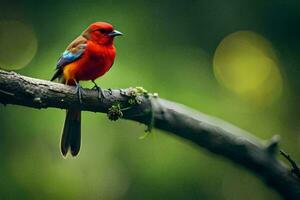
{"x": 237, "y": 60}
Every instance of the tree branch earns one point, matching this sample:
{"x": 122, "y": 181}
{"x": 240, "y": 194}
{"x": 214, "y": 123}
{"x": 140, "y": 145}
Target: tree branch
{"x": 210, "y": 133}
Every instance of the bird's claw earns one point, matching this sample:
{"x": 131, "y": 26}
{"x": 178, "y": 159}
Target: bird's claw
{"x": 100, "y": 91}
{"x": 79, "y": 92}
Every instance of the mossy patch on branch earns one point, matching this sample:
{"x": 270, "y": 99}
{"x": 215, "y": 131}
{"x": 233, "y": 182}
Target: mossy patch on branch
{"x": 136, "y": 96}
{"x": 114, "y": 112}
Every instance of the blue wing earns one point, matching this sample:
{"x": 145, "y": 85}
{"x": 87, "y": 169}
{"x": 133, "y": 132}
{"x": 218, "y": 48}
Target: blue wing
{"x": 72, "y": 53}
{"x": 70, "y": 56}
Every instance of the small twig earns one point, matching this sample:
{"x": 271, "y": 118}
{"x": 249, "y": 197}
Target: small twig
{"x": 295, "y": 169}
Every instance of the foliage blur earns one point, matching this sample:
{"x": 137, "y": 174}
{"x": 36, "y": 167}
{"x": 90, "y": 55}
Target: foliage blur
{"x": 237, "y": 60}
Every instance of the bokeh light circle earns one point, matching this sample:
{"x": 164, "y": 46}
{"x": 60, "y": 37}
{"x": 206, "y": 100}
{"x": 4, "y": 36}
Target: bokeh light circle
{"x": 246, "y": 63}
{"x": 18, "y": 44}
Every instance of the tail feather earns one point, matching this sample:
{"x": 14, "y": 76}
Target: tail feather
{"x": 70, "y": 139}
{"x": 56, "y": 74}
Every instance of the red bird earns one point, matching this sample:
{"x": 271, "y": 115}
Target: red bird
{"x": 88, "y": 57}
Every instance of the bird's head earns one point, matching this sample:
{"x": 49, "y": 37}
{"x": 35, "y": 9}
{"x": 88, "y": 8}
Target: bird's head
{"x": 101, "y": 32}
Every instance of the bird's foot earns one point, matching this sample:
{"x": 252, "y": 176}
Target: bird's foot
{"x": 100, "y": 91}
{"x": 79, "y": 91}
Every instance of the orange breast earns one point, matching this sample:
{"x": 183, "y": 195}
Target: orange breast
{"x": 95, "y": 62}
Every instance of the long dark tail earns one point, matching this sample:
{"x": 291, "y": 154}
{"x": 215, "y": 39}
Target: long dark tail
{"x": 70, "y": 138}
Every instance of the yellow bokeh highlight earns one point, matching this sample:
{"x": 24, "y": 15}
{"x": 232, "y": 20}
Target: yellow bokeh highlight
{"x": 246, "y": 63}
{"x": 18, "y": 44}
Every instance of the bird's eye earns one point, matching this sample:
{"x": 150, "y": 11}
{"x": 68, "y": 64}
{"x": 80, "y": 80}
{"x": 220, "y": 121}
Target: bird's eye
{"x": 102, "y": 30}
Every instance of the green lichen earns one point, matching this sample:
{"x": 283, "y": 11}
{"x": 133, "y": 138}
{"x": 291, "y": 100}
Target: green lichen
{"x": 114, "y": 112}
{"x": 131, "y": 101}
{"x": 137, "y": 94}
{"x": 155, "y": 95}
{"x": 138, "y": 99}
{"x": 140, "y": 90}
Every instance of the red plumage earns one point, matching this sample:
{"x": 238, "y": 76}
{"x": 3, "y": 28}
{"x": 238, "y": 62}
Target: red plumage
{"x": 90, "y": 55}
{"x": 95, "y": 61}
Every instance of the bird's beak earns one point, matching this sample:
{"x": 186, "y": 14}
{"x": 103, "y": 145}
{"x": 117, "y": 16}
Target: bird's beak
{"x": 115, "y": 33}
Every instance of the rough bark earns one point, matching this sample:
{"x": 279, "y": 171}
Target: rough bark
{"x": 208, "y": 132}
